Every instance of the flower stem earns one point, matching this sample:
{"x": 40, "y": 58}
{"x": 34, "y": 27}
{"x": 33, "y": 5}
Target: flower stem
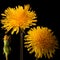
{"x": 21, "y": 45}
{"x": 6, "y": 57}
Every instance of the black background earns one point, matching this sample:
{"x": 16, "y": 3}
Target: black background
{"x": 48, "y": 15}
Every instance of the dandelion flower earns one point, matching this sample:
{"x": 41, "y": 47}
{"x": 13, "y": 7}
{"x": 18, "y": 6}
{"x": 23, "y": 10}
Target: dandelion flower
{"x": 41, "y": 41}
{"x": 19, "y": 17}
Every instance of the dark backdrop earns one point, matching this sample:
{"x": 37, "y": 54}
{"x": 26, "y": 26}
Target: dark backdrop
{"x": 48, "y": 15}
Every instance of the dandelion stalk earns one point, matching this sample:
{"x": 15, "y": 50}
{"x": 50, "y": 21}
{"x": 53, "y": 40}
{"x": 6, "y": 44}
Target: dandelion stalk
{"x": 6, "y": 57}
{"x": 21, "y": 44}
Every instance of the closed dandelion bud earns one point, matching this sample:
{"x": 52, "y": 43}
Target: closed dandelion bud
{"x": 41, "y": 41}
{"x": 6, "y": 47}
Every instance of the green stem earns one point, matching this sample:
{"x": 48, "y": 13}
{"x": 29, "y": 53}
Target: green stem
{"x": 21, "y": 45}
{"x": 6, "y": 57}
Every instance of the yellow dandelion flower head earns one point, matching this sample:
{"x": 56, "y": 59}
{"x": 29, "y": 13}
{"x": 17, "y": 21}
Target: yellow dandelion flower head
{"x": 41, "y": 41}
{"x": 19, "y": 17}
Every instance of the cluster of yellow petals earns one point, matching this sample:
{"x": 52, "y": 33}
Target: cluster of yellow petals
{"x": 41, "y": 41}
{"x": 19, "y": 17}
